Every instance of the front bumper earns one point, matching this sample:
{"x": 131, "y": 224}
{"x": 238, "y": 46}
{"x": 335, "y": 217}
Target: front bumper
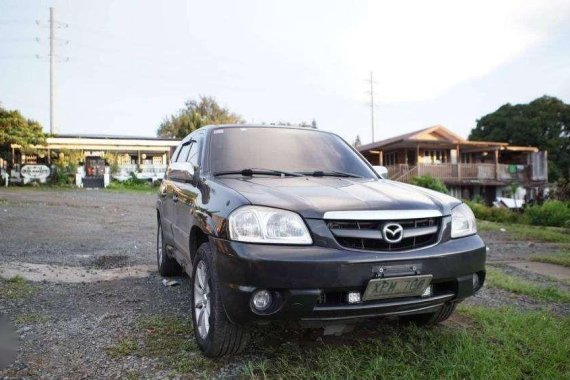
{"x": 309, "y": 281}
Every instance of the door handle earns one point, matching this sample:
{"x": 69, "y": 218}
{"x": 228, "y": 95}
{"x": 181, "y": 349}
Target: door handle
{"x": 175, "y": 198}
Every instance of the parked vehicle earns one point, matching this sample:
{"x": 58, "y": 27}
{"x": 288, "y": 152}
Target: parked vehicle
{"x": 293, "y": 224}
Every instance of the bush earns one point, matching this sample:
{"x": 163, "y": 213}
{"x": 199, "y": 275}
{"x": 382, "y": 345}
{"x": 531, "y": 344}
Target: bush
{"x": 430, "y": 182}
{"x": 495, "y": 214}
{"x": 134, "y": 181}
{"x": 551, "y": 213}
{"x": 65, "y": 167}
{"x": 134, "y": 184}
{"x": 561, "y": 191}
{"x": 63, "y": 174}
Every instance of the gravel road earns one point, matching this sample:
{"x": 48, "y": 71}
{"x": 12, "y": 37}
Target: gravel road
{"x": 91, "y": 257}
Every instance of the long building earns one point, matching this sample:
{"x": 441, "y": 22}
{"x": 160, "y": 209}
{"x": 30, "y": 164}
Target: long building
{"x": 147, "y": 157}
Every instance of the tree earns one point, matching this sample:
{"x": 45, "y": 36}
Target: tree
{"x": 561, "y": 190}
{"x": 16, "y": 129}
{"x": 544, "y": 123}
{"x": 195, "y": 115}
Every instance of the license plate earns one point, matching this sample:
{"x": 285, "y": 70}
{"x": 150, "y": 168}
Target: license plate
{"x": 410, "y": 286}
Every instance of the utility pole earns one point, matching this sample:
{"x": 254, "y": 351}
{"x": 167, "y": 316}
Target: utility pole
{"x": 52, "y": 127}
{"x": 372, "y": 103}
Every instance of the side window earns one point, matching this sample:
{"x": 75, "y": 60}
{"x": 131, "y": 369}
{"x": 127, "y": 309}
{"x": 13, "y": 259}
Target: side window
{"x": 194, "y": 155}
{"x": 174, "y": 156}
{"x": 183, "y": 156}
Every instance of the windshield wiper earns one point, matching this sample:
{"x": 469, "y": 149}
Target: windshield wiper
{"x": 252, "y": 171}
{"x": 333, "y": 173}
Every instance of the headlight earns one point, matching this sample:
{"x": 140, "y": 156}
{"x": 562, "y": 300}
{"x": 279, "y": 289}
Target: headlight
{"x": 257, "y": 224}
{"x": 462, "y": 221}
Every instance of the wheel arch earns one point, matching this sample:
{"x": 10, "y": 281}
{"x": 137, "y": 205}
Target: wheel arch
{"x": 197, "y": 238}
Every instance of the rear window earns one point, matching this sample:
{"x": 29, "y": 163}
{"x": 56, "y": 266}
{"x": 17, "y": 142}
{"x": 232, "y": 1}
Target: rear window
{"x": 295, "y": 150}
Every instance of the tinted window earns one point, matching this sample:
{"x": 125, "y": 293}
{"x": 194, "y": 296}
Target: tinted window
{"x": 283, "y": 149}
{"x": 183, "y": 156}
{"x": 194, "y": 155}
{"x": 176, "y": 152}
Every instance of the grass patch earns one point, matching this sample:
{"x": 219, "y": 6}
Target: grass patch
{"x": 31, "y": 318}
{"x": 496, "y": 343}
{"x": 526, "y": 232}
{"x": 16, "y": 288}
{"x": 126, "y": 347}
{"x": 3, "y": 201}
{"x": 502, "y": 343}
{"x": 496, "y": 278}
{"x": 132, "y": 187}
{"x": 561, "y": 258}
{"x": 169, "y": 339}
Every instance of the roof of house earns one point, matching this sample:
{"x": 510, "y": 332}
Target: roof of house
{"x": 111, "y": 137}
{"x": 106, "y": 142}
{"x": 437, "y": 133}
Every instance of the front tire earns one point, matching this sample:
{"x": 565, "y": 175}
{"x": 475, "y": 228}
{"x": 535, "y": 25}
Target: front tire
{"x": 215, "y": 334}
{"x": 167, "y": 266}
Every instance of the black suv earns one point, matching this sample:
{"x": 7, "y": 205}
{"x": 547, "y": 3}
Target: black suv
{"x": 293, "y": 224}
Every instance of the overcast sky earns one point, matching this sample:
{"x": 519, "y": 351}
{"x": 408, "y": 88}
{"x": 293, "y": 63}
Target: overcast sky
{"x": 131, "y": 63}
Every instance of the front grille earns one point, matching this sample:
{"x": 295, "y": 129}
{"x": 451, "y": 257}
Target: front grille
{"x": 367, "y": 234}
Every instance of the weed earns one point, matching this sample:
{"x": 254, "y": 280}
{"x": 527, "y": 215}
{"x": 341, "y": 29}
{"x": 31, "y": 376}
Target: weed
{"x": 31, "y": 318}
{"x": 16, "y": 288}
{"x": 502, "y": 344}
{"x": 170, "y": 339}
{"x": 526, "y": 232}
{"x": 496, "y": 278}
{"x": 561, "y": 258}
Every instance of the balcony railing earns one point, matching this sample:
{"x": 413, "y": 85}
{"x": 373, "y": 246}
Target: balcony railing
{"x": 462, "y": 172}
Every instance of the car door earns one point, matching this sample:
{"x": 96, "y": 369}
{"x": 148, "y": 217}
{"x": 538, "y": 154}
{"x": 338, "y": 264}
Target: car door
{"x": 188, "y": 194}
{"x": 167, "y": 210}
{"x": 177, "y": 175}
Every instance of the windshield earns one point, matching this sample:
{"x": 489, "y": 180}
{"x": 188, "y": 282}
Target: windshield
{"x": 291, "y": 150}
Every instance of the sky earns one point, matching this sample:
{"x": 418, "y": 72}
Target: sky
{"x": 123, "y": 66}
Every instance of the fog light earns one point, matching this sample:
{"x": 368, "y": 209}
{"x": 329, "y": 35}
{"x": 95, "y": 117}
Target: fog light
{"x": 476, "y": 281}
{"x": 261, "y": 300}
{"x": 427, "y": 292}
{"x": 353, "y": 297}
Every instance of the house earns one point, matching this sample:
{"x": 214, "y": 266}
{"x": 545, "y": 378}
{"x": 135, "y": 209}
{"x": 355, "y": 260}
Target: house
{"x": 469, "y": 169}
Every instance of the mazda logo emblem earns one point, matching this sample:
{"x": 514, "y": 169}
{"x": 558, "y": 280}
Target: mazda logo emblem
{"x": 392, "y": 232}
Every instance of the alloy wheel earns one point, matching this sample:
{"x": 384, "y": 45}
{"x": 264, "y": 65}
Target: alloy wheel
{"x": 159, "y": 252}
{"x": 202, "y": 303}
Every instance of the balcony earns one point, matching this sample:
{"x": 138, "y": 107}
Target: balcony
{"x": 464, "y": 173}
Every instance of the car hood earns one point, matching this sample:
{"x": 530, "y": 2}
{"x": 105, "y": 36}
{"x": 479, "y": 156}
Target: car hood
{"x": 313, "y": 196}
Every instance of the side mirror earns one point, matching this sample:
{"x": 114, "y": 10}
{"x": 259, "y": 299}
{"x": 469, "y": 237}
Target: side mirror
{"x": 382, "y": 171}
{"x": 182, "y": 171}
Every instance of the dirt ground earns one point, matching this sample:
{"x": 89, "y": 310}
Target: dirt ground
{"x": 91, "y": 258}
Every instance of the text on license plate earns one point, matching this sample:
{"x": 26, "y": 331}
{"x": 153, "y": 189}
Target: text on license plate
{"x": 409, "y": 286}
